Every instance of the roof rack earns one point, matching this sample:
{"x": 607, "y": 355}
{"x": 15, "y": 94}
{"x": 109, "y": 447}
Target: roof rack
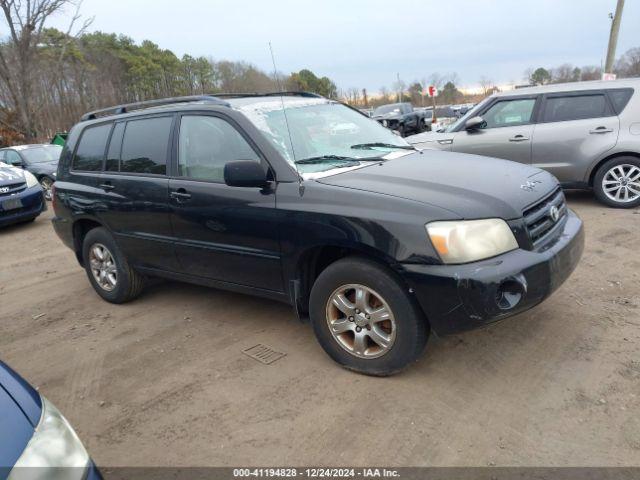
{"x": 118, "y": 109}
{"x": 268, "y": 94}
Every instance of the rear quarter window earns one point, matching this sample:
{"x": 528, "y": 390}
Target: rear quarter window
{"x": 91, "y": 148}
{"x": 145, "y": 145}
{"x": 620, "y": 97}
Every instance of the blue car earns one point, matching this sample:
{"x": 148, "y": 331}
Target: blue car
{"x": 36, "y": 441}
{"x": 21, "y": 196}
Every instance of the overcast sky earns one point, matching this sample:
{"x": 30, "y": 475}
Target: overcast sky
{"x": 364, "y": 43}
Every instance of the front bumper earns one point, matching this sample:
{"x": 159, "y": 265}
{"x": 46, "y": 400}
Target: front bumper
{"x": 456, "y": 298}
{"x": 33, "y": 203}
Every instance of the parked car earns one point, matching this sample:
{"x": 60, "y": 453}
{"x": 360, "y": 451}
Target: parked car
{"x": 21, "y": 196}
{"x": 376, "y": 242}
{"x": 401, "y": 117}
{"x": 445, "y": 116}
{"x": 587, "y": 134}
{"x": 40, "y": 159}
{"x": 36, "y": 441}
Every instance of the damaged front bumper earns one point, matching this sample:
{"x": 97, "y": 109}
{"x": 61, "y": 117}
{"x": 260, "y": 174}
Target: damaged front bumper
{"x": 456, "y": 298}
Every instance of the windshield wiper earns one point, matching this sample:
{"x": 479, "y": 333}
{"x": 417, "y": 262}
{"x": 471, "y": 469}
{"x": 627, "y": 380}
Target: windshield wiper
{"x": 368, "y": 146}
{"x": 328, "y": 159}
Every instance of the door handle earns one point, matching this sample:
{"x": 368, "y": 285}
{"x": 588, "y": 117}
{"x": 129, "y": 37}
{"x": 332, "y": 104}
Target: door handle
{"x": 518, "y": 138}
{"x": 106, "y": 186}
{"x": 180, "y": 195}
{"x": 600, "y": 130}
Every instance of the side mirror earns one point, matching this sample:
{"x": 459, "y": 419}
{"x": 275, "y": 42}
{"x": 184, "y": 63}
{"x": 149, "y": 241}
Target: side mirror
{"x": 245, "y": 173}
{"x": 474, "y": 123}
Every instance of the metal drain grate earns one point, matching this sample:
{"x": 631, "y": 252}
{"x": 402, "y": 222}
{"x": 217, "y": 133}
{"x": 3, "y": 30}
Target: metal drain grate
{"x": 263, "y": 354}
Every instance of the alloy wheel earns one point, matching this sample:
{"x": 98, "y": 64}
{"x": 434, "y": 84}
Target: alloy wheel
{"x": 46, "y": 184}
{"x": 621, "y": 183}
{"x": 361, "y": 321}
{"x": 103, "y": 267}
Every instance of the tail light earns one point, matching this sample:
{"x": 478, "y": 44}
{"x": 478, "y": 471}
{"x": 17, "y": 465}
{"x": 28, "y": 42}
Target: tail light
{"x": 53, "y": 195}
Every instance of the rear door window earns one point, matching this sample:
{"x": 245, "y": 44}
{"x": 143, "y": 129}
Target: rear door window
{"x": 90, "y": 152}
{"x": 575, "y": 107}
{"x": 145, "y": 146}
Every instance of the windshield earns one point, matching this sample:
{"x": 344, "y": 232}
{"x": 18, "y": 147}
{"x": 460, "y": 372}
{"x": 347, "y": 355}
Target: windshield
{"x": 44, "y": 154}
{"x": 466, "y": 116}
{"x": 324, "y": 135}
{"x": 384, "y": 109}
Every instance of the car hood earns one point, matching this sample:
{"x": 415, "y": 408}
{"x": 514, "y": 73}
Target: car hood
{"x": 46, "y": 167}
{"x": 470, "y": 186}
{"x": 386, "y": 116}
{"x": 10, "y": 175}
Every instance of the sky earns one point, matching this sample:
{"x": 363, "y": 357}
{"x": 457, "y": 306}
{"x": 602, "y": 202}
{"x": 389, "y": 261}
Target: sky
{"x": 367, "y": 43}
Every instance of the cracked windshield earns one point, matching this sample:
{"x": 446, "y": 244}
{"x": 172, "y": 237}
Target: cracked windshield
{"x": 321, "y": 135}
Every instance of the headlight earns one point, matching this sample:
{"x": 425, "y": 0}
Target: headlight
{"x": 32, "y": 181}
{"x": 471, "y": 240}
{"x": 53, "y": 445}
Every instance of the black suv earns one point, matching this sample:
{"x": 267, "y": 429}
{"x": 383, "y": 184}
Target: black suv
{"x": 305, "y": 200}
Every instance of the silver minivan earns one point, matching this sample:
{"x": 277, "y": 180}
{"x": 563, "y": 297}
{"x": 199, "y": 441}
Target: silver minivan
{"x": 587, "y": 134}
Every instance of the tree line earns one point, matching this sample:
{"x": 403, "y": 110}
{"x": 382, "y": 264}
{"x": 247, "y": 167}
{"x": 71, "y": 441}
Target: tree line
{"x": 627, "y": 66}
{"x": 49, "y": 78}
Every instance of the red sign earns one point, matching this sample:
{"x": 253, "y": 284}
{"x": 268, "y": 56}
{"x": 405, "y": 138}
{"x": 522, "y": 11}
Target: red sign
{"x": 432, "y": 91}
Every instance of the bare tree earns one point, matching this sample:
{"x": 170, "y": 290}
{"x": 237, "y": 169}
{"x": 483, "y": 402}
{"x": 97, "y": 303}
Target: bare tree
{"x": 563, "y": 74}
{"x": 486, "y": 84}
{"x": 26, "y": 21}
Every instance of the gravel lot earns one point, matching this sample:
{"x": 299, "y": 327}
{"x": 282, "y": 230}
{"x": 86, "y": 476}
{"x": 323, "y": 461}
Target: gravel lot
{"x": 163, "y": 380}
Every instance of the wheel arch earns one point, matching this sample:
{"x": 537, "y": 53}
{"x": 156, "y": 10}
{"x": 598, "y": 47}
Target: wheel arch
{"x": 314, "y": 260}
{"x": 597, "y": 165}
{"x": 81, "y": 227}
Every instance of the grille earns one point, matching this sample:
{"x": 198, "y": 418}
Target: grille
{"x": 12, "y": 188}
{"x": 538, "y": 220}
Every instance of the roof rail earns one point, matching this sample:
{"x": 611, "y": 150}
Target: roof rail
{"x": 118, "y": 109}
{"x": 268, "y": 94}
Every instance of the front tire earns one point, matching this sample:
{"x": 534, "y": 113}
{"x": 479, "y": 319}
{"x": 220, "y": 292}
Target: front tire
{"x": 365, "y": 319}
{"x": 46, "y": 183}
{"x": 617, "y": 182}
{"x": 108, "y": 269}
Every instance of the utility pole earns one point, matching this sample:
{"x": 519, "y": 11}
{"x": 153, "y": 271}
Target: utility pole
{"x": 399, "y": 88}
{"x": 613, "y": 37}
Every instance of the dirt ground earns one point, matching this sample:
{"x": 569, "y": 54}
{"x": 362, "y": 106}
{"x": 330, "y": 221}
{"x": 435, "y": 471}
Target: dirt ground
{"x": 163, "y": 380}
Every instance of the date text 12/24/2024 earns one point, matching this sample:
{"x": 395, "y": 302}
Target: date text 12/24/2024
{"x": 315, "y": 473}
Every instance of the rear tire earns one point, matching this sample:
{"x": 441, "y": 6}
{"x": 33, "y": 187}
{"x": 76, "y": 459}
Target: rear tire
{"x": 108, "y": 269}
{"x": 380, "y": 344}
{"x": 617, "y": 178}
